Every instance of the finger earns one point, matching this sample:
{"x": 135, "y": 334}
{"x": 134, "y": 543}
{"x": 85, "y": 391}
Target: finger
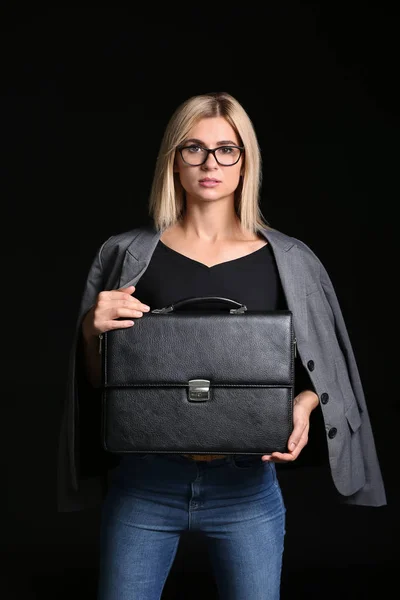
{"x": 107, "y": 296}
{"x": 122, "y": 296}
{"x": 266, "y": 457}
{"x": 288, "y": 456}
{"x": 300, "y": 445}
{"x": 296, "y": 435}
{"x": 282, "y": 456}
{"x": 122, "y": 312}
{"x": 303, "y": 441}
{"x": 128, "y": 291}
{"x": 129, "y": 302}
{"x": 278, "y": 457}
{"x": 118, "y": 324}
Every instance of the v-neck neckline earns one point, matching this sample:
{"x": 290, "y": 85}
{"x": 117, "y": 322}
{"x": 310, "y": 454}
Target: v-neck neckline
{"x": 209, "y": 268}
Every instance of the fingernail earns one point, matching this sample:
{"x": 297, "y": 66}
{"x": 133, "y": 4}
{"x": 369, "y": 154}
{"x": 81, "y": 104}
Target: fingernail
{"x": 292, "y": 445}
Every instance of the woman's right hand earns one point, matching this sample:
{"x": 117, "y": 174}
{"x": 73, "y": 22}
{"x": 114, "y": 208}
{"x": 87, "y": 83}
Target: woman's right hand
{"x": 109, "y": 307}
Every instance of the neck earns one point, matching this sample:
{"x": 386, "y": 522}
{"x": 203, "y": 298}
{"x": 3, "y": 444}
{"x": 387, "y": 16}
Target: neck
{"x": 210, "y": 223}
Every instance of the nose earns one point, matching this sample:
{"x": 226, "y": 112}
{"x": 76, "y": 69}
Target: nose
{"x": 211, "y": 162}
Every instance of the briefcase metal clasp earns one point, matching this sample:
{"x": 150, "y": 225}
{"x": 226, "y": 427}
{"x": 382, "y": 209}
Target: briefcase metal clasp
{"x": 199, "y": 390}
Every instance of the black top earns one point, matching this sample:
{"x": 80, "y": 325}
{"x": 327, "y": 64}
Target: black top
{"x": 252, "y": 280}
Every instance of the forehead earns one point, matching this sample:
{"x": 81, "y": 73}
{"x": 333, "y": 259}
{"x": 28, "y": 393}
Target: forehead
{"x": 212, "y": 130}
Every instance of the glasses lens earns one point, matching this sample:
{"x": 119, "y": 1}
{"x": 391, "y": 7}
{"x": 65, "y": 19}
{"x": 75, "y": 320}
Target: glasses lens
{"x": 227, "y": 155}
{"x": 195, "y": 155}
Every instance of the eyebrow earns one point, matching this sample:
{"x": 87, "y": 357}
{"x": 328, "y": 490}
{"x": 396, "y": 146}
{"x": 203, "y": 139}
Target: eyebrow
{"x": 221, "y": 143}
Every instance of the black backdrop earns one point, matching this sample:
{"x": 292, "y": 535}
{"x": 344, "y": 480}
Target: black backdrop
{"x": 85, "y": 95}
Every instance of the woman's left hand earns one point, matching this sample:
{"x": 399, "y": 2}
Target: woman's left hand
{"x": 303, "y": 405}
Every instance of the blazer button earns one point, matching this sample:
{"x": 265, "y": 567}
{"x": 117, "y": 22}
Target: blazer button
{"x": 332, "y": 432}
{"x": 324, "y": 398}
{"x": 310, "y": 365}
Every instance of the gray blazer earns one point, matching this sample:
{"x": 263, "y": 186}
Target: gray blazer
{"x": 323, "y": 346}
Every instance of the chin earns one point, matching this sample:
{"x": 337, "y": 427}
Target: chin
{"x": 210, "y": 194}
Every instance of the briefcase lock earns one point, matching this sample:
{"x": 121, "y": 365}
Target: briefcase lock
{"x": 199, "y": 390}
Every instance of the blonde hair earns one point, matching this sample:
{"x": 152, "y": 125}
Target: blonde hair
{"x": 167, "y": 196}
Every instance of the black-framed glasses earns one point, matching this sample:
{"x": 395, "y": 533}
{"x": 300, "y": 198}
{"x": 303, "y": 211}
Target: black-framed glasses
{"x": 195, "y": 155}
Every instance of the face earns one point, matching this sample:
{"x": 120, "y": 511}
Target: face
{"x": 209, "y": 181}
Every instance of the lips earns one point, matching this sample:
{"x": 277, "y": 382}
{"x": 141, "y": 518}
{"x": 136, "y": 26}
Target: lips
{"x": 209, "y": 183}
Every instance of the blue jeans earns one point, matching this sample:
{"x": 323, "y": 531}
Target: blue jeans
{"x": 235, "y": 501}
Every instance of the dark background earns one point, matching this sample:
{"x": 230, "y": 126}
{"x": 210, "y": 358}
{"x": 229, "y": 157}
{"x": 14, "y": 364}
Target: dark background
{"x": 85, "y": 96}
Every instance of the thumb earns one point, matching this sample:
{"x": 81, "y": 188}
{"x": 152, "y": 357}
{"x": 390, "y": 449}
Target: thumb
{"x": 296, "y": 436}
{"x": 294, "y": 439}
{"x": 128, "y": 290}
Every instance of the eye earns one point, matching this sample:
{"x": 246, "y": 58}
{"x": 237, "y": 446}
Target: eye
{"x": 227, "y": 149}
{"x": 194, "y": 149}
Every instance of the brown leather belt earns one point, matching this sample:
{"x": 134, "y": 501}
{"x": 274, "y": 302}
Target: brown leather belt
{"x": 204, "y": 456}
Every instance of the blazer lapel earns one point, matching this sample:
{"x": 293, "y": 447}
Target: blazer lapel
{"x": 138, "y": 255}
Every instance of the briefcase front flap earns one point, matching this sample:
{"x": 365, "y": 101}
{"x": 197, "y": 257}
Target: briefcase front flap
{"x": 255, "y": 348}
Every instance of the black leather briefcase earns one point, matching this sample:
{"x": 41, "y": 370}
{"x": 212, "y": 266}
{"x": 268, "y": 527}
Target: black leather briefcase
{"x": 202, "y": 376}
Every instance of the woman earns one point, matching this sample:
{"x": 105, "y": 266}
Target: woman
{"x": 208, "y": 238}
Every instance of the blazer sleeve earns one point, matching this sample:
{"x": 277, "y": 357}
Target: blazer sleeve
{"x": 80, "y": 456}
{"x": 373, "y": 492}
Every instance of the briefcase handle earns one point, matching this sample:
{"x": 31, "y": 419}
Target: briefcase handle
{"x": 236, "y": 307}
